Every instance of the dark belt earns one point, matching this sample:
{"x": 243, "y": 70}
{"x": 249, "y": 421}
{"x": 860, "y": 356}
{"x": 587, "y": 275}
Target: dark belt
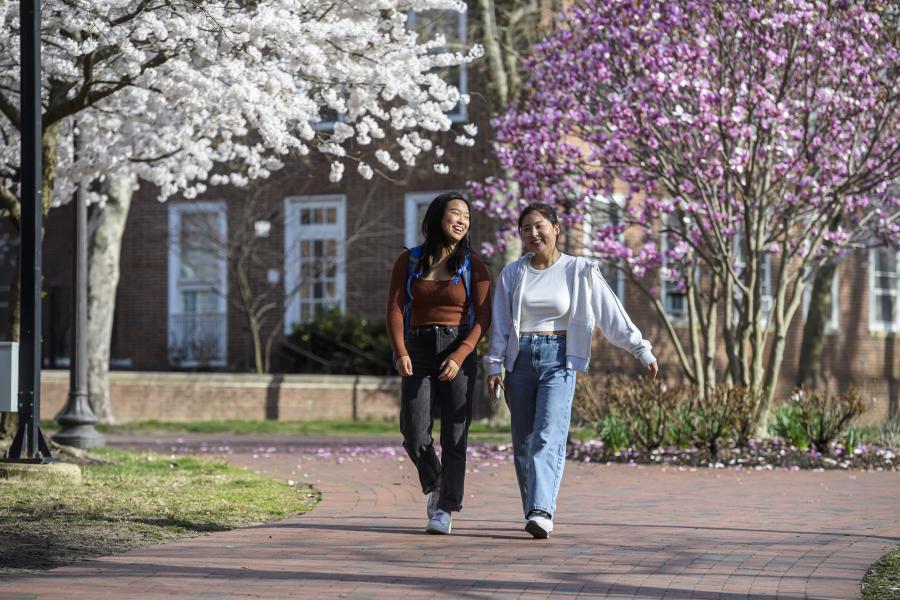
{"x": 451, "y": 329}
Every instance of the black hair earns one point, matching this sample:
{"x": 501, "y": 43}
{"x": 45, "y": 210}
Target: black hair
{"x": 436, "y": 240}
{"x": 546, "y": 211}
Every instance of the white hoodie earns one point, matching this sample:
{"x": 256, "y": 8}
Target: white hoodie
{"x": 593, "y": 305}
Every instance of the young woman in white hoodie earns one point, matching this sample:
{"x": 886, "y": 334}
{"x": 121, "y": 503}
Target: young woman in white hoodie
{"x": 545, "y": 308}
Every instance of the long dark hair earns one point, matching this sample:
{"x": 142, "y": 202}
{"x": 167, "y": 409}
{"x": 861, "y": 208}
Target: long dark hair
{"x": 436, "y": 240}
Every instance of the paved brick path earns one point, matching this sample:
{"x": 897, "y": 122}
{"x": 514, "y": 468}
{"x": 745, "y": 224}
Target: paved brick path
{"x": 622, "y": 532}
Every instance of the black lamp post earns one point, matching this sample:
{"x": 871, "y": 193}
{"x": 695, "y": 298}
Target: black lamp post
{"x": 29, "y": 444}
{"x": 77, "y": 419}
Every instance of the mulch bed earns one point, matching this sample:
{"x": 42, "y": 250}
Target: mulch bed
{"x": 765, "y": 455}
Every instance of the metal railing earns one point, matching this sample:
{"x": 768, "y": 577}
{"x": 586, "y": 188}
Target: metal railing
{"x": 197, "y": 339}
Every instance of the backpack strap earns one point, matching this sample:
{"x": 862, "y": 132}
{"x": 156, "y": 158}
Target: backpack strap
{"x": 412, "y": 273}
{"x": 412, "y": 270}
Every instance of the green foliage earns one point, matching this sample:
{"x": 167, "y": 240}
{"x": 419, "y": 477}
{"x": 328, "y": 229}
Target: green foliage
{"x": 816, "y": 417}
{"x": 614, "y": 434}
{"x": 851, "y": 439}
{"x": 346, "y": 344}
{"x": 787, "y": 423}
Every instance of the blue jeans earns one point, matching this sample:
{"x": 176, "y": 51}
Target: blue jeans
{"x": 539, "y": 392}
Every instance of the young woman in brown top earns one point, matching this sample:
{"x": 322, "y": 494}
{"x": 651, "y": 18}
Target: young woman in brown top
{"x": 439, "y": 306}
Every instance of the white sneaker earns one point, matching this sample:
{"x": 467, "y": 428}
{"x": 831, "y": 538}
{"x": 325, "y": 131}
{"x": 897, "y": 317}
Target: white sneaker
{"x": 431, "y": 505}
{"x": 439, "y": 523}
{"x": 539, "y": 526}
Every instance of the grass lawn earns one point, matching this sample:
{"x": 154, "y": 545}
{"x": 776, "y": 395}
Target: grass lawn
{"x": 131, "y": 500}
{"x": 480, "y": 431}
{"x": 882, "y": 582}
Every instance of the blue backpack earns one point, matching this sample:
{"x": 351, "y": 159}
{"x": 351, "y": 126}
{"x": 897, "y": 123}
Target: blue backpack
{"x": 413, "y": 272}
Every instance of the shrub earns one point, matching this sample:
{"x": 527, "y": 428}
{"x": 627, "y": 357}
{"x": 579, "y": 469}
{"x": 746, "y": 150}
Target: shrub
{"x": 816, "y": 418}
{"x": 745, "y": 414}
{"x": 648, "y": 408}
{"x": 714, "y": 417}
{"x": 342, "y": 344}
{"x": 826, "y": 415}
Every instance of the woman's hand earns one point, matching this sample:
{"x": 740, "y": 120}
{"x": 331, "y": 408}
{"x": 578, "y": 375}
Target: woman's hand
{"x": 449, "y": 369}
{"x": 494, "y": 382}
{"x": 404, "y": 366}
{"x": 652, "y": 370}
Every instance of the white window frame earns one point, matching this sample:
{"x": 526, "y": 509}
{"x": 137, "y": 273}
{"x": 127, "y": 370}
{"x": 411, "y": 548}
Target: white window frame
{"x": 412, "y": 226}
{"x": 831, "y": 325}
{"x": 294, "y": 233}
{"x": 875, "y": 325}
{"x": 589, "y": 236}
{"x": 176, "y": 210}
{"x": 460, "y": 115}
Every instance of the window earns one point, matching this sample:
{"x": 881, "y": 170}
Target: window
{"x": 453, "y": 25}
{"x": 831, "y": 324}
{"x": 765, "y": 278}
{"x": 329, "y": 116}
{"x": 314, "y": 257}
{"x": 674, "y": 298}
{"x": 602, "y": 214}
{"x": 198, "y": 284}
{"x": 414, "y": 212}
{"x": 883, "y": 282}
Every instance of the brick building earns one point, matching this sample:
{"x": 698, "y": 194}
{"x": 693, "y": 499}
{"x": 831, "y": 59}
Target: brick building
{"x": 315, "y": 244}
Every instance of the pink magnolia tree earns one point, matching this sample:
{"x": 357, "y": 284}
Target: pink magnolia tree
{"x": 747, "y": 143}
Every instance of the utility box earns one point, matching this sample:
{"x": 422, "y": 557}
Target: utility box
{"x": 9, "y": 377}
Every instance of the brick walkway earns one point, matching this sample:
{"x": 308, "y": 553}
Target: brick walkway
{"x": 622, "y": 532}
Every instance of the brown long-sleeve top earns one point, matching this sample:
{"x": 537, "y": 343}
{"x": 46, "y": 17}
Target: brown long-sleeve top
{"x": 439, "y": 303}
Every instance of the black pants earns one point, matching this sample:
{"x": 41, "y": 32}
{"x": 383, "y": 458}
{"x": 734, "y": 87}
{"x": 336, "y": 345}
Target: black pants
{"x": 428, "y": 347}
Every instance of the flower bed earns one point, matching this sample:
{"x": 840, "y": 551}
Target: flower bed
{"x": 759, "y": 455}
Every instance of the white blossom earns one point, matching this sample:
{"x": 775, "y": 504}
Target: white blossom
{"x": 337, "y": 172}
{"x": 190, "y": 94}
{"x": 364, "y": 170}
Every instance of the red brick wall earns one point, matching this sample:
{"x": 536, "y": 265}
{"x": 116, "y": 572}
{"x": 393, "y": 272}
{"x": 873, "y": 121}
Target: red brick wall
{"x": 212, "y": 396}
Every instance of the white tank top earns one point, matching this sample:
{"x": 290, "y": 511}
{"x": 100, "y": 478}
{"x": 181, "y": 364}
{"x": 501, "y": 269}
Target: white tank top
{"x": 547, "y": 296}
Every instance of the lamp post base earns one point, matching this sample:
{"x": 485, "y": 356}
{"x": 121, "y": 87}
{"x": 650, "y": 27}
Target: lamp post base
{"x": 77, "y": 421}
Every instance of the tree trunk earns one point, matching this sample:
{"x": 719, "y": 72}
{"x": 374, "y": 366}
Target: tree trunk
{"x": 810, "y": 366}
{"x": 104, "y": 248}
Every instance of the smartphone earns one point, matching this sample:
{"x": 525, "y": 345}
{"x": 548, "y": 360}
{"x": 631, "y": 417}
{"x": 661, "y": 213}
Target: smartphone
{"x": 497, "y": 391}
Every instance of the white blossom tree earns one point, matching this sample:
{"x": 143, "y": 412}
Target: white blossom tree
{"x": 183, "y": 94}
